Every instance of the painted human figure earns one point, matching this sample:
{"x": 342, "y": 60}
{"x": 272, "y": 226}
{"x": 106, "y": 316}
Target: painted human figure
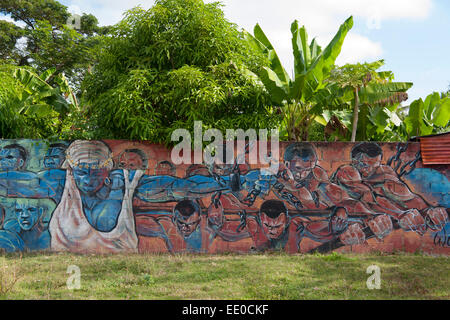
{"x": 306, "y": 186}
{"x": 28, "y": 231}
{"x": 13, "y": 157}
{"x": 227, "y": 225}
{"x": 133, "y": 159}
{"x": 55, "y": 156}
{"x": 165, "y": 168}
{"x": 183, "y": 231}
{"x": 378, "y": 186}
{"x": 226, "y": 219}
{"x": 273, "y": 228}
{"x": 96, "y": 199}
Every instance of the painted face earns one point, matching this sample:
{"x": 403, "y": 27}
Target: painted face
{"x": 54, "y": 158}
{"x": 88, "y": 179}
{"x": 301, "y": 168}
{"x": 223, "y": 169}
{"x": 164, "y": 169}
{"x": 187, "y": 225}
{"x": 131, "y": 161}
{"x": 273, "y": 228}
{"x": 366, "y": 165}
{"x": 216, "y": 217}
{"x": 27, "y": 215}
{"x": 10, "y": 159}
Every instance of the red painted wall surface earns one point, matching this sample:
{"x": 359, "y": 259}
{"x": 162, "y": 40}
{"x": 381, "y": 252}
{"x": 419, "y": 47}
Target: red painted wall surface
{"x": 127, "y": 196}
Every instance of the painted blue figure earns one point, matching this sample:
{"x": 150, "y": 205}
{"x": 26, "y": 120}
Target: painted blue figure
{"x": 28, "y": 231}
{"x": 13, "y": 157}
{"x": 90, "y": 194}
{"x": 55, "y": 155}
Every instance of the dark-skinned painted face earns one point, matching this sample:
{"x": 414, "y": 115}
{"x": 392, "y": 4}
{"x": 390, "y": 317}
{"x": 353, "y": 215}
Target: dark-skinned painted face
{"x": 131, "y": 161}
{"x": 367, "y": 165}
{"x": 54, "y": 158}
{"x": 273, "y": 228}
{"x": 216, "y": 217}
{"x": 301, "y": 168}
{"x": 223, "y": 169}
{"x": 27, "y": 214}
{"x": 164, "y": 169}
{"x": 187, "y": 225}
{"x": 10, "y": 159}
{"x": 88, "y": 179}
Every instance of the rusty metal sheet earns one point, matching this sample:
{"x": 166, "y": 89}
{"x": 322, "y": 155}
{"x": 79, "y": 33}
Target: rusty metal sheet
{"x": 435, "y": 149}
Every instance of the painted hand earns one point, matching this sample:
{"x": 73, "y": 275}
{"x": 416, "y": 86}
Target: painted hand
{"x": 412, "y": 220}
{"x": 381, "y": 226}
{"x": 254, "y": 180}
{"x": 339, "y": 221}
{"x": 436, "y": 218}
{"x": 353, "y": 235}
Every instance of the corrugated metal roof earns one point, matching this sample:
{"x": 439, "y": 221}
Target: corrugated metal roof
{"x": 435, "y": 149}
{"x": 415, "y": 139}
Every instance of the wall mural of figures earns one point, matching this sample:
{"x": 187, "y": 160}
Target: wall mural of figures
{"x": 125, "y": 196}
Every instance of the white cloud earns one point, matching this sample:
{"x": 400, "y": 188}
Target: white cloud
{"x": 321, "y": 17}
{"x": 108, "y": 12}
{"x": 386, "y": 9}
{"x": 357, "y": 48}
{"x": 18, "y": 23}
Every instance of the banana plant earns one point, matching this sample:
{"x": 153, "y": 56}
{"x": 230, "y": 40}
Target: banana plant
{"x": 40, "y": 98}
{"x": 428, "y": 117}
{"x": 373, "y": 95}
{"x": 312, "y": 65}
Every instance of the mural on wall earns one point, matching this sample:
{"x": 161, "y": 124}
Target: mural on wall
{"x": 123, "y": 196}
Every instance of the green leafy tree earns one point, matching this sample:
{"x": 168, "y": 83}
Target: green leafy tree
{"x": 297, "y": 97}
{"x": 47, "y": 42}
{"x": 163, "y": 68}
{"x": 9, "y": 35}
{"x": 372, "y": 95}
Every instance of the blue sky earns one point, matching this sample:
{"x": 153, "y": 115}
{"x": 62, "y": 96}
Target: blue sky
{"x": 413, "y": 36}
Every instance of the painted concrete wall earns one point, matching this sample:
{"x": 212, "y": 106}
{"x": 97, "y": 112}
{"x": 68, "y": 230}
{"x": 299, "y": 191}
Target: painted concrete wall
{"x": 124, "y": 196}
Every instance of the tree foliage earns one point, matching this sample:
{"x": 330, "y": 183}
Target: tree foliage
{"x": 31, "y": 108}
{"x": 166, "y": 67}
{"x": 363, "y": 101}
{"x": 44, "y": 41}
{"x": 427, "y": 117}
{"x": 297, "y": 97}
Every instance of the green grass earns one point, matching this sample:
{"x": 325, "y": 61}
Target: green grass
{"x": 268, "y": 276}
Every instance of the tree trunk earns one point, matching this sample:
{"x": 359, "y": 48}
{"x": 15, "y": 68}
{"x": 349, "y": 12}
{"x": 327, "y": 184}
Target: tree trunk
{"x": 355, "y": 115}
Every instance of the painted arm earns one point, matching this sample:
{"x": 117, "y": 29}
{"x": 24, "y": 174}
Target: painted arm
{"x": 48, "y": 184}
{"x": 350, "y": 179}
{"x": 168, "y": 188}
{"x": 10, "y": 241}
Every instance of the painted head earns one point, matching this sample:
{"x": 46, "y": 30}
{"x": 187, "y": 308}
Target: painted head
{"x": 216, "y": 216}
{"x": 366, "y": 157}
{"x": 13, "y": 157}
{"x": 90, "y": 162}
{"x": 274, "y": 218}
{"x": 187, "y": 216}
{"x": 133, "y": 159}
{"x": 55, "y": 155}
{"x": 28, "y": 213}
{"x": 165, "y": 168}
{"x": 223, "y": 163}
{"x": 300, "y": 158}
